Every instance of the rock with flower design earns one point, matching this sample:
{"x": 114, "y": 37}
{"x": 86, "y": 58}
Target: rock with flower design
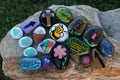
{"x": 60, "y": 56}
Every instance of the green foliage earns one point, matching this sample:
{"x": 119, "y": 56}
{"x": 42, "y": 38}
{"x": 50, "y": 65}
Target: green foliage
{"x": 15, "y": 11}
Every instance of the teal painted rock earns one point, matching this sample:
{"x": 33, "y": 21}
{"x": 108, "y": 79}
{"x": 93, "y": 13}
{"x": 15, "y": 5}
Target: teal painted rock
{"x": 59, "y": 32}
{"x": 77, "y": 47}
{"x": 30, "y": 52}
{"x": 77, "y": 26}
{"x": 25, "y": 42}
{"x": 64, "y": 14}
{"x": 93, "y": 35}
{"x": 16, "y": 32}
{"x": 45, "y": 46}
{"x": 30, "y": 63}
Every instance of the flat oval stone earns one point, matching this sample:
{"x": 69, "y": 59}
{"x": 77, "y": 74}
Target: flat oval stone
{"x": 47, "y": 18}
{"x": 76, "y": 46}
{"x": 77, "y": 26}
{"x": 85, "y": 60}
{"x": 64, "y": 14}
{"x": 29, "y": 26}
{"x": 59, "y": 32}
{"x": 30, "y": 52}
{"x": 30, "y": 63}
{"x": 16, "y": 32}
{"x": 45, "y": 46}
{"x": 93, "y": 35}
{"x": 46, "y": 62}
{"x": 39, "y": 34}
{"x": 106, "y": 47}
{"x": 25, "y": 42}
{"x": 60, "y": 56}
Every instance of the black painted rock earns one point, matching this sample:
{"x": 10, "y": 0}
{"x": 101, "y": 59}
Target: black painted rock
{"x": 77, "y": 47}
{"x": 60, "y": 56}
{"x": 77, "y": 26}
{"x": 93, "y": 35}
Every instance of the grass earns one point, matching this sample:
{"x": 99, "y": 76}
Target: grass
{"x": 15, "y": 11}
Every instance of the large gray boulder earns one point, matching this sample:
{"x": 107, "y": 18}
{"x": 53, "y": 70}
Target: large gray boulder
{"x": 108, "y": 20}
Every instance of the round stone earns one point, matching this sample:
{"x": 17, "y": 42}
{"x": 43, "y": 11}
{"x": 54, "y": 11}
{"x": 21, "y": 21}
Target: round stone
{"x": 25, "y": 42}
{"x": 77, "y": 26}
{"x": 77, "y": 47}
{"x": 64, "y": 14}
{"x": 59, "y": 32}
{"x": 16, "y": 32}
{"x": 30, "y": 52}
{"x": 106, "y": 47}
{"x": 93, "y": 35}
{"x": 47, "y": 18}
{"x": 85, "y": 60}
{"x": 39, "y": 34}
{"x": 45, "y": 46}
{"x": 46, "y": 62}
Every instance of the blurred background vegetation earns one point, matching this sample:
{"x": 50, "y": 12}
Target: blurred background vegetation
{"x": 13, "y": 12}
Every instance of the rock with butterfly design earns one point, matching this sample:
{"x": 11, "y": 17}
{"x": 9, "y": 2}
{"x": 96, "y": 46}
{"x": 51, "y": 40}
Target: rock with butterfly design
{"x": 93, "y": 35}
{"x": 59, "y": 32}
{"x": 60, "y": 56}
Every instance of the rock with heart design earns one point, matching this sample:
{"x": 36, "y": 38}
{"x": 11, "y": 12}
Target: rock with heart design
{"x": 39, "y": 34}
{"x": 76, "y": 46}
{"x": 85, "y": 60}
{"x": 60, "y": 56}
{"x": 106, "y": 48}
{"x": 45, "y": 46}
{"x": 93, "y": 35}
{"x": 30, "y": 63}
{"x": 16, "y": 32}
{"x": 77, "y": 26}
{"x": 59, "y": 32}
{"x": 25, "y": 42}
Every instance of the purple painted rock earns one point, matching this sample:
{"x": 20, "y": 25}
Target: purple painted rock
{"x": 29, "y": 26}
{"x": 85, "y": 60}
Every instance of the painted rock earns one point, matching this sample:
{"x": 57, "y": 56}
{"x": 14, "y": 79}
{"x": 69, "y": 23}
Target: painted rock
{"x": 30, "y": 52}
{"x": 45, "y": 46}
{"x": 29, "y": 26}
{"x": 47, "y": 17}
{"x": 60, "y": 56}
{"x": 39, "y": 34}
{"x": 25, "y": 42}
{"x": 106, "y": 48}
{"x": 46, "y": 62}
{"x": 16, "y": 32}
{"x": 77, "y": 26}
{"x": 93, "y": 35}
{"x": 77, "y": 47}
{"x": 85, "y": 60}
{"x": 64, "y": 14}
{"x": 59, "y": 32}
{"x": 30, "y": 63}
{"x": 97, "y": 58}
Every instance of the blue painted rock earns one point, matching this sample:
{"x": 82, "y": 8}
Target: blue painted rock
{"x": 98, "y": 59}
{"x": 30, "y": 63}
{"x": 25, "y": 42}
{"x": 47, "y": 18}
{"x": 29, "y": 26}
{"x": 45, "y": 46}
{"x": 77, "y": 47}
{"x": 16, "y": 32}
{"x": 59, "y": 32}
{"x": 64, "y": 14}
{"x": 77, "y": 26}
{"x": 39, "y": 34}
{"x": 106, "y": 48}
{"x": 30, "y": 52}
{"x": 46, "y": 62}
{"x": 93, "y": 35}
{"x": 85, "y": 60}
{"x": 60, "y": 56}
